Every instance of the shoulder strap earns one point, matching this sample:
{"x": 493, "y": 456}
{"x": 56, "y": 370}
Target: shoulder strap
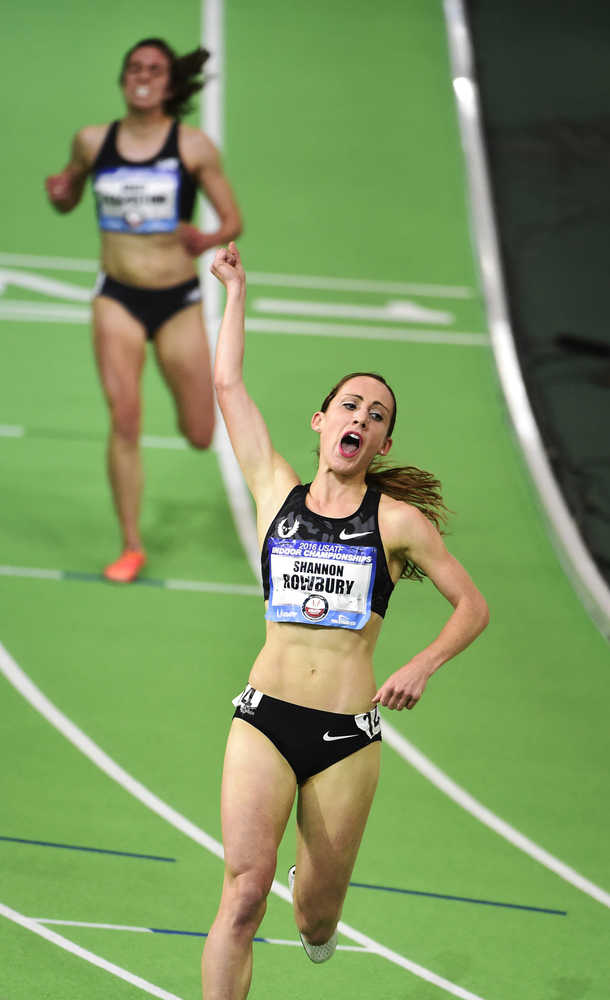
{"x": 170, "y": 146}
{"x": 370, "y": 504}
{"x": 108, "y": 146}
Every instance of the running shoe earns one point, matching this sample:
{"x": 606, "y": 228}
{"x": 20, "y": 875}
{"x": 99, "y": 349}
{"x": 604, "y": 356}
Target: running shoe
{"x": 127, "y": 566}
{"x": 316, "y": 952}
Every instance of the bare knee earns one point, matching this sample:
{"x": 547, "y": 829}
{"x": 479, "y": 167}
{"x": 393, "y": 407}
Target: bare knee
{"x": 245, "y": 901}
{"x": 199, "y": 436}
{"x": 125, "y": 419}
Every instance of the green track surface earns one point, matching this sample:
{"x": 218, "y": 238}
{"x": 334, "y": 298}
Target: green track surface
{"x": 341, "y": 143}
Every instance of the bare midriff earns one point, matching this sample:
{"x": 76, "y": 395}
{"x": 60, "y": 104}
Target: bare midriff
{"x": 151, "y": 260}
{"x": 330, "y": 669}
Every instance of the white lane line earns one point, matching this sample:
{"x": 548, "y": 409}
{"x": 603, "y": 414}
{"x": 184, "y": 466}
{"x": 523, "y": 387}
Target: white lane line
{"x": 212, "y": 123}
{"x": 297, "y": 944}
{"x": 212, "y": 119}
{"x": 150, "y": 930}
{"x": 22, "y": 683}
{"x": 32, "y": 572}
{"x": 246, "y": 589}
{"x": 88, "y": 956}
{"x": 95, "y": 926}
{"x": 171, "y": 442}
{"x": 156, "y": 441}
{"x": 147, "y": 440}
{"x": 442, "y": 781}
{"x": 43, "y": 312}
{"x": 52, "y": 263}
{"x": 45, "y": 286}
{"x": 394, "y": 311}
{"x": 200, "y": 586}
{"x": 353, "y": 332}
{"x": 322, "y": 283}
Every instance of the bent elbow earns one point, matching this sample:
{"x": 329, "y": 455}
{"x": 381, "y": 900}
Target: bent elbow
{"x": 483, "y": 613}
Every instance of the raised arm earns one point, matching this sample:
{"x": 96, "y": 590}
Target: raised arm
{"x": 65, "y": 189}
{"x": 268, "y": 475}
{"x": 425, "y": 547}
{"x": 204, "y": 158}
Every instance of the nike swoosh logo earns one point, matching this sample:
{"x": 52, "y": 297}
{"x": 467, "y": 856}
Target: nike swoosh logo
{"x": 357, "y": 534}
{"x": 328, "y": 738}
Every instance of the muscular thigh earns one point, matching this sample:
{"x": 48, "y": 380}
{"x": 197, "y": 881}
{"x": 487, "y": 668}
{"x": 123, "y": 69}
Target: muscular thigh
{"x": 184, "y": 359}
{"x": 332, "y": 812}
{"x": 258, "y": 789}
{"x": 119, "y": 341}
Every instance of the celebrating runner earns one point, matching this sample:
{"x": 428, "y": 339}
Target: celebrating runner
{"x": 145, "y": 170}
{"x": 307, "y": 722}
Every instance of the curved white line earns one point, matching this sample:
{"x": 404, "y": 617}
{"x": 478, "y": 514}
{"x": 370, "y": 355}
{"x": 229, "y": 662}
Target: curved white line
{"x": 22, "y": 683}
{"x": 88, "y": 956}
{"x": 574, "y": 555}
{"x": 442, "y": 781}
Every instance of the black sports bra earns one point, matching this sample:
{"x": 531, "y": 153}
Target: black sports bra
{"x": 148, "y": 196}
{"x": 321, "y": 570}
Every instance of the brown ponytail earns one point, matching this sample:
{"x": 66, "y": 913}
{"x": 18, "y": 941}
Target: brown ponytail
{"x": 414, "y": 486}
{"x": 401, "y": 482}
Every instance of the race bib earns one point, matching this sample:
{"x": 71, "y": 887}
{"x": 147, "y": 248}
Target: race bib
{"x": 248, "y": 700}
{"x": 320, "y": 583}
{"x": 142, "y": 200}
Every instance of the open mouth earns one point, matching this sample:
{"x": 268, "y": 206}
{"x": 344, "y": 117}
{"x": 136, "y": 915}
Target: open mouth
{"x": 350, "y": 444}
{"x": 142, "y": 91}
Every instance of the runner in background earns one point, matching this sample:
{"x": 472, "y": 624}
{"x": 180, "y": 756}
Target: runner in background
{"x": 307, "y": 722}
{"x": 145, "y": 170}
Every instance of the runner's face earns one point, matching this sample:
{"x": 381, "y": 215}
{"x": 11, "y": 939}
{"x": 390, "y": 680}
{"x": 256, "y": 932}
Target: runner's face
{"x": 146, "y": 79}
{"x": 355, "y": 426}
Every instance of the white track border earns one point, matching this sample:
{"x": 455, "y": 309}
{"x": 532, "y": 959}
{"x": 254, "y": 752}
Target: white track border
{"x": 573, "y": 554}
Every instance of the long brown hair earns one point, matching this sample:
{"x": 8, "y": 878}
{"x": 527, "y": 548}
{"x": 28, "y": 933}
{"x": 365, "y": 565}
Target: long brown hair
{"x": 184, "y": 71}
{"x": 401, "y": 482}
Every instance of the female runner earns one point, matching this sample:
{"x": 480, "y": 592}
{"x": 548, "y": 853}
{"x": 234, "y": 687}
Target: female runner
{"x": 145, "y": 171}
{"x": 308, "y": 719}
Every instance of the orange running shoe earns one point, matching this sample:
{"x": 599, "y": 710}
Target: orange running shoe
{"x": 127, "y": 566}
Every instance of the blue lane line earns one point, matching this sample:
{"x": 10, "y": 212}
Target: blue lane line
{"x": 202, "y": 934}
{"x": 76, "y": 847}
{"x": 460, "y": 899}
{"x": 165, "y": 930}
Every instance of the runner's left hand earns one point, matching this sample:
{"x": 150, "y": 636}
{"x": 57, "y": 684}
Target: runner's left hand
{"x": 404, "y": 688}
{"x": 193, "y": 240}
